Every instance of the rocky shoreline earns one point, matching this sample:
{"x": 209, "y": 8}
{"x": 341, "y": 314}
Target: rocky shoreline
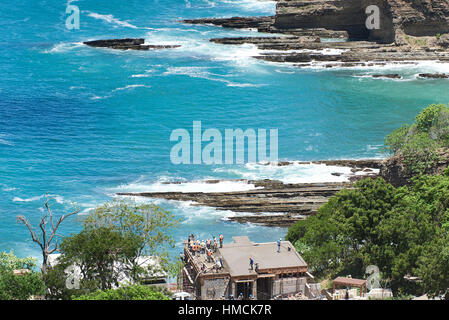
{"x": 274, "y": 203}
{"x": 310, "y": 33}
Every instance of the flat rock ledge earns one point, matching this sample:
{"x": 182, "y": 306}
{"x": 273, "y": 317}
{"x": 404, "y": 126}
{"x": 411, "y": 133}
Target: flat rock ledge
{"x": 127, "y": 44}
{"x": 307, "y": 46}
{"x": 273, "y": 203}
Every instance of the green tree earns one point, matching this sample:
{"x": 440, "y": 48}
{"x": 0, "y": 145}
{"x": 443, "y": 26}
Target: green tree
{"x": 148, "y": 222}
{"x": 102, "y": 255}
{"x": 135, "y": 292}
{"x": 398, "y": 229}
{"x": 434, "y": 267}
{"x": 397, "y": 139}
{"x": 19, "y": 287}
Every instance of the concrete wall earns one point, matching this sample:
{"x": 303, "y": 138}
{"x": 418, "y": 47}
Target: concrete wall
{"x": 288, "y": 285}
{"x": 214, "y": 288}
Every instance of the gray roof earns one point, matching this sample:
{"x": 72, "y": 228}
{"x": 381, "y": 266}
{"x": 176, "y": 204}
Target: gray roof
{"x": 236, "y": 256}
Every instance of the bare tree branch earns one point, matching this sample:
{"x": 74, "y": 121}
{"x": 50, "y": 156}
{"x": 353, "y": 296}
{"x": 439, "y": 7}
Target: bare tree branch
{"x": 46, "y": 236}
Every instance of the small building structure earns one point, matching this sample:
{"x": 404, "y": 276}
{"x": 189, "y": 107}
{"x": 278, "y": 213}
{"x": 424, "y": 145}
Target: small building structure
{"x": 274, "y": 275}
{"x": 349, "y": 282}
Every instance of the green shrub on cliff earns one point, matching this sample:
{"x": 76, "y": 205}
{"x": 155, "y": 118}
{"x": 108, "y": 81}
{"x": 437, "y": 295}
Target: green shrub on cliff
{"x": 404, "y": 231}
{"x": 418, "y": 144}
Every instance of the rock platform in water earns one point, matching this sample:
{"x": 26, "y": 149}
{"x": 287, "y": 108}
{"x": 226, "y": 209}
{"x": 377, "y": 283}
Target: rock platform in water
{"x": 127, "y": 44}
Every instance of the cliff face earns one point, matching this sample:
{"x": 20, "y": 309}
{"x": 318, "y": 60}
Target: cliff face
{"x": 394, "y": 171}
{"x": 398, "y": 18}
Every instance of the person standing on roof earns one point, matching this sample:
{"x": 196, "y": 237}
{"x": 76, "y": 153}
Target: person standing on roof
{"x": 215, "y": 245}
{"x": 279, "y": 245}
{"x": 251, "y": 263}
{"x": 203, "y": 247}
{"x": 209, "y": 255}
{"x": 221, "y": 241}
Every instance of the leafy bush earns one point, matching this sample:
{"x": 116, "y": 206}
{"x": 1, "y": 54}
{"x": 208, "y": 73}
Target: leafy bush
{"x": 19, "y": 287}
{"x": 137, "y": 292}
{"x": 420, "y": 142}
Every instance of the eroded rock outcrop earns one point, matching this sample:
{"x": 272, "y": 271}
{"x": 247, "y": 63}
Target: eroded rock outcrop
{"x": 272, "y": 202}
{"x": 127, "y": 44}
{"x": 397, "y": 17}
{"x": 410, "y": 30}
{"x": 395, "y": 172}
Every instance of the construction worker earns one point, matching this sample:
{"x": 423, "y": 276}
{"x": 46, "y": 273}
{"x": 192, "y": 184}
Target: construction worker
{"x": 251, "y": 263}
{"x": 209, "y": 255}
{"x": 279, "y": 245}
{"x": 208, "y": 243}
{"x": 203, "y": 247}
{"x": 221, "y": 241}
{"x": 215, "y": 245}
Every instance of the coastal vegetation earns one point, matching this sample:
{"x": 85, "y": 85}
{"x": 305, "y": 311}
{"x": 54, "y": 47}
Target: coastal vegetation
{"x": 26, "y": 284}
{"x": 111, "y": 251}
{"x": 403, "y": 230}
{"x": 136, "y": 292}
{"x": 420, "y": 144}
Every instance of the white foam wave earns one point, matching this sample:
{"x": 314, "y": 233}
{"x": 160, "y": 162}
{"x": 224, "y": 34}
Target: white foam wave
{"x": 4, "y": 141}
{"x": 203, "y": 73}
{"x": 18, "y": 199}
{"x": 197, "y": 46}
{"x": 59, "y": 199}
{"x": 195, "y": 186}
{"x": 6, "y": 188}
{"x": 409, "y": 70}
{"x": 294, "y": 173}
{"x": 64, "y": 47}
{"x": 110, "y": 19}
{"x": 131, "y": 86}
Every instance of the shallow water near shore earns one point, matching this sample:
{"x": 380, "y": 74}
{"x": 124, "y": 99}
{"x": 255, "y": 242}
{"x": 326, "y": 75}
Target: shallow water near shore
{"x": 83, "y": 123}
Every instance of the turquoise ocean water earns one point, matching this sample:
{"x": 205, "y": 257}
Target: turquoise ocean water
{"x": 84, "y": 123}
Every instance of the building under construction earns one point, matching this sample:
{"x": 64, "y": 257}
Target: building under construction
{"x": 275, "y": 274}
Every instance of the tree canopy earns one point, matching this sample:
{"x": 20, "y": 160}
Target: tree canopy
{"x": 19, "y": 287}
{"x": 108, "y": 249}
{"x": 136, "y": 292}
{"x": 401, "y": 230}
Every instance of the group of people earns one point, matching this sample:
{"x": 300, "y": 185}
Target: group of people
{"x": 208, "y": 246}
